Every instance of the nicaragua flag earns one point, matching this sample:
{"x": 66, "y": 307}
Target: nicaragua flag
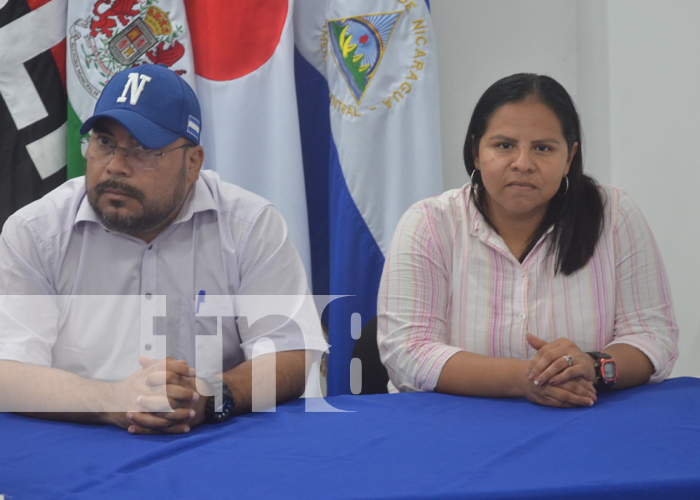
{"x": 109, "y": 36}
{"x": 368, "y": 98}
{"x": 32, "y": 101}
{"x": 244, "y": 61}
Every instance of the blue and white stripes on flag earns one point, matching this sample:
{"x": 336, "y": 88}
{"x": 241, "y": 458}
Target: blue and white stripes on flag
{"x": 367, "y": 88}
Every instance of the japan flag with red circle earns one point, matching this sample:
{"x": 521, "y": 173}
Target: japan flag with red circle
{"x": 244, "y": 65}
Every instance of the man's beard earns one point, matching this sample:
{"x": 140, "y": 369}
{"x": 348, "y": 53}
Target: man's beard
{"x": 153, "y": 214}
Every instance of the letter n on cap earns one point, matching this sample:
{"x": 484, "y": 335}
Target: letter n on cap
{"x": 135, "y": 86}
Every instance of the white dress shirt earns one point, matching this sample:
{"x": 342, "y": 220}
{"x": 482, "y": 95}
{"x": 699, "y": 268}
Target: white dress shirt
{"x": 76, "y": 296}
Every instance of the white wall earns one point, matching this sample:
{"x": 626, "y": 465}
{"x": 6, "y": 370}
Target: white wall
{"x": 481, "y": 41}
{"x": 655, "y": 140}
{"x": 593, "y": 99}
{"x": 632, "y": 67}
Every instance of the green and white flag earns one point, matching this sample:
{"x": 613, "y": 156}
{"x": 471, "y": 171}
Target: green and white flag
{"x": 108, "y": 36}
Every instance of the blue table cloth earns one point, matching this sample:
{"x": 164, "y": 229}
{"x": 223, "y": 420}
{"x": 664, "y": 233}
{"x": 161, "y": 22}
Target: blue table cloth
{"x": 640, "y": 443}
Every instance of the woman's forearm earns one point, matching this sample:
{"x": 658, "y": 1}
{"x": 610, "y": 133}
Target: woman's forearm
{"x": 633, "y": 366}
{"x": 470, "y": 374}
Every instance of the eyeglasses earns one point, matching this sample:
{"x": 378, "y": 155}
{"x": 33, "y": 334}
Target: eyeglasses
{"x": 101, "y": 151}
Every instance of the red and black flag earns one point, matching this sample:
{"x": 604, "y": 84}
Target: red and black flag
{"x": 32, "y": 101}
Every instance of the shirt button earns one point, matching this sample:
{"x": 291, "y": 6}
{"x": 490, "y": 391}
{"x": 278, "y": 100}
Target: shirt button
{"x": 150, "y": 246}
{"x": 148, "y": 347}
{"x": 148, "y": 295}
{"x": 522, "y": 316}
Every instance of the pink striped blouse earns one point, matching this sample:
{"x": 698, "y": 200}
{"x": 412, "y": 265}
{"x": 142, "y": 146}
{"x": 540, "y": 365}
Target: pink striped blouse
{"x": 450, "y": 283}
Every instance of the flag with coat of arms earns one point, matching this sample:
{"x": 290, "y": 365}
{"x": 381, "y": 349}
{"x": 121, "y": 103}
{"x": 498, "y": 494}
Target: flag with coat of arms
{"x": 108, "y": 36}
{"x": 369, "y": 109}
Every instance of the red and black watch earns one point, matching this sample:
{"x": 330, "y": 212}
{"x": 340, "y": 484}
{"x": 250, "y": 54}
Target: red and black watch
{"x": 605, "y": 370}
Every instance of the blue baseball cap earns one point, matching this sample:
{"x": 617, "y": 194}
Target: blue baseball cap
{"x": 153, "y": 103}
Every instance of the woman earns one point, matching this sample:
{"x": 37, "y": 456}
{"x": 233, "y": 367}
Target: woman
{"x": 532, "y": 280}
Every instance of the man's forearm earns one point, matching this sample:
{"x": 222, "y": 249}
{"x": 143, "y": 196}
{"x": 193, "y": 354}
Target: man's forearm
{"x": 51, "y": 393}
{"x": 288, "y": 382}
{"x": 59, "y": 395}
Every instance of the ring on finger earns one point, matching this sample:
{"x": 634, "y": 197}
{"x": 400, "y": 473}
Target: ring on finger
{"x": 569, "y": 359}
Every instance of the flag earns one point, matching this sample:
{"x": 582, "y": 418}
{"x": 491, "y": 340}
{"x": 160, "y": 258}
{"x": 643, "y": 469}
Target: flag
{"x": 244, "y": 61}
{"x": 32, "y": 101}
{"x": 109, "y": 36}
{"x": 369, "y": 109}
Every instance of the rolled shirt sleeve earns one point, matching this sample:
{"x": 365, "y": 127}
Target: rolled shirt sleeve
{"x": 412, "y": 307}
{"x": 644, "y": 316}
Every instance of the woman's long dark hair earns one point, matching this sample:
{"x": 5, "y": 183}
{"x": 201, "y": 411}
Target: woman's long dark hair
{"x": 577, "y": 216}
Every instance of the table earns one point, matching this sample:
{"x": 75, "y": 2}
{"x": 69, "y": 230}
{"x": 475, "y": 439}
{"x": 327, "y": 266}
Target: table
{"x": 639, "y": 443}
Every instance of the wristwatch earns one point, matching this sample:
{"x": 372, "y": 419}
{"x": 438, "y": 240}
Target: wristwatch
{"x": 605, "y": 370}
{"x": 221, "y": 414}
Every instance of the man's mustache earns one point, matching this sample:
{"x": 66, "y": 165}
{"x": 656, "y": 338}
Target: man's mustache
{"x": 118, "y": 186}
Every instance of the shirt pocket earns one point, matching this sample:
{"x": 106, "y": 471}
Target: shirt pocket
{"x": 198, "y": 342}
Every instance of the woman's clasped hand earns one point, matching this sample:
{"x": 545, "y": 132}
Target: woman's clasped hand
{"x": 561, "y": 374}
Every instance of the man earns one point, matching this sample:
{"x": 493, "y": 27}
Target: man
{"x": 119, "y": 264}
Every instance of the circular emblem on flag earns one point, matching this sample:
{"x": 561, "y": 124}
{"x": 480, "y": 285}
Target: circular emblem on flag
{"x": 232, "y": 38}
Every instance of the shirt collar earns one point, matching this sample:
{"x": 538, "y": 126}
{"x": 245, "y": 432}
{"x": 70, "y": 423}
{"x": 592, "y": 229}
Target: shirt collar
{"x": 85, "y": 212}
{"x": 199, "y": 199}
